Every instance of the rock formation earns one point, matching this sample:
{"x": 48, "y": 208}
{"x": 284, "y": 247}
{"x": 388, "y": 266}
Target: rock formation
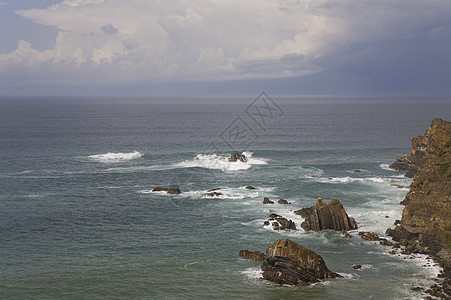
{"x": 290, "y": 263}
{"x": 253, "y": 255}
{"x": 235, "y": 156}
{"x": 282, "y": 201}
{"x": 167, "y": 190}
{"x": 280, "y": 223}
{"x": 330, "y": 215}
{"x": 249, "y": 187}
{"x": 267, "y": 201}
{"x": 212, "y": 194}
{"x": 426, "y": 218}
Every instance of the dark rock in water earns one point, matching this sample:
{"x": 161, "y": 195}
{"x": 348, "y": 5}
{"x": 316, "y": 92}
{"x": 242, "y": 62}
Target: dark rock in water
{"x": 267, "y": 201}
{"x": 385, "y": 242}
{"x": 369, "y": 236}
{"x": 249, "y": 187}
{"x": 346, "y": 234}
{"x": 290, "y": 263}
{"x": 174, "y": 191}
{"x": 330, "y": 215}
{"x": 167, "y": 190}
{"x": 282, "y": 201}
{"x": 397, "y": 222}
{"x": 215, "y": 189}
{"x": 256, "y": 255}
{"x": 235, "y": 156}
{"x": 266, "y": 223}
{"x": 398, "y": 186}
{"x": 357, "y": 171}
{"x": 281, "y": 223}
{"x": 212, "y": 194}
{"x": 356, "y": 267}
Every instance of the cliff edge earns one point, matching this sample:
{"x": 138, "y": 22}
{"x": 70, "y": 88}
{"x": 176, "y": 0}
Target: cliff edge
{"x": 426, "y": 217}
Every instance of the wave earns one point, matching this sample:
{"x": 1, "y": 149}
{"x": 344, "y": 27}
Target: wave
{"x": 386, "y": 167}
{"x": 111, "y": 157}
{"x": 216, "y": 162}
{"x": 348, "y": 179}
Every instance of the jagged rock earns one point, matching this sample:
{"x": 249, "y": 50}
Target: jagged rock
{"x": 346, "y": 234}
{"x": 235, "y": 156}
{"x": 398, "y": 186}
{"x": 249, "y": 187}
{"x": 255, "y": 255}
{"x": 215, "y": 189}
{"x": 167, "y": 190}
{"x": 282, "y": 201}
{"x": 212, "y": 194}
{"x": 385, "y": 242}
{"x": 267, "y": 201}
{"x": 281, "y": 223}
{"x": 369, "y": 236}
{"x": 290, "y": 263}
{"x": 356, "y": 267}
{"x": 330, "y": 215}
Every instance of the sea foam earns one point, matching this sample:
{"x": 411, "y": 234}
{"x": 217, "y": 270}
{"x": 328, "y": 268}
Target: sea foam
{"x": 111, "y": 157}
{"x": 216, "y": 162}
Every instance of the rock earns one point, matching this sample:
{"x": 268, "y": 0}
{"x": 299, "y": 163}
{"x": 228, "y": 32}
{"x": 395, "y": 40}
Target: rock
{"x": 330, "y": 215}
{"x": 215, "y": 189}
{"x": 256, "y": 255}
{"x": 249, "y": 187}
{"x": 235, "y": 156}
{"x": 356, "y": 267}
{"x": 398, "y": 186}
{"x": 212, "y": 194}
{"x": 174, "y": 191}
{"x": 167, "y": 190}
{"x": 282, "y": 201}
{"x": 385, "y": 242}
{"x": 346, "y": 234}
{"x": 397, "y": 222}
{"x": 290, "y": 263}
{"x": 392, "y": 252}
{"x": 266, "y": 223}
{"x": 369, "y": 236}
{"x": 281, "y": 223}
{"x": 357, "y": 171}
{"x": 267, "y": 201}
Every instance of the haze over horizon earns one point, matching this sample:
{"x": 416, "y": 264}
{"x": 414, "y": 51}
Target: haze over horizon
{"x": 183, "y": 48}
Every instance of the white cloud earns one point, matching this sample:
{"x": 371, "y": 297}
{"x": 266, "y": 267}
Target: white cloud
{"x": 115, "y": 40}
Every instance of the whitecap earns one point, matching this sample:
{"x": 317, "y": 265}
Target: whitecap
{"x": 386, "y": 167}
{"x": 213, "y": 161}
{"x": 111, "y": 157}
{"x": 253, "y": 273}
{"x": 348, "y": 179}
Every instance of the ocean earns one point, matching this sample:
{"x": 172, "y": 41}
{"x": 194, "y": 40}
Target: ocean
{"x": 79, "y": 220}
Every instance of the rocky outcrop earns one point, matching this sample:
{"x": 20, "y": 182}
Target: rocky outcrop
{"x": 167, "y": 190}
{"x": 283, "y": 201}
{"x": 253, "y": 255}
{"x": 212, "y": 194}
{"x": 330, "y": 215}
{"x": 425, "y": 225}
{"x": 280, "y": 223}
{"x": 267, "y": 201}
{"x": 235, "y": 156}
{"x": 290, "y": 263}
{"x": 250, "y": 187}
{"x": 369, "y": 236}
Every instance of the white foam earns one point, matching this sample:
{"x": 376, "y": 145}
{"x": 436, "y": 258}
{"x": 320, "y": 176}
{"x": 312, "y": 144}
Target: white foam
{"x": 348, "y": 179}
{"x": 253, "y": 273}
{"x": 216, "y": 162}
{"x": 111, "y": 157}
{"x": 386, "y": 167}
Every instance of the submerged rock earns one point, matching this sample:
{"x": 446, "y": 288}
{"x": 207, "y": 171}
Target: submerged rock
{"x": 167, "y": 190}
{"x": 267, "y": 201}
{"x": 330, "y": 215}
{"x": 249, "y": 187}
{"x": 253, "y": 255}
{"x": 280, "y": 223}
{"x": 235, "y": 156}
{"x": 290, "y": 263}
{"x": 212, "y": 194}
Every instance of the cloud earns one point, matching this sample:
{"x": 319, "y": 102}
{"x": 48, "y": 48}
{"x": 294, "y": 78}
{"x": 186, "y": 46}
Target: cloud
{"x": 108, "y": 41}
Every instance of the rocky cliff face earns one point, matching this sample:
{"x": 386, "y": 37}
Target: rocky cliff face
{"x": 427, "y": 214}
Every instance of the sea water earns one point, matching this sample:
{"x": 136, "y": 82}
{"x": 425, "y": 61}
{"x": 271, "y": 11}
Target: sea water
{"x": 78, "y": 218}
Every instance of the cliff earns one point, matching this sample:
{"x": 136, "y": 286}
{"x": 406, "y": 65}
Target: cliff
{"x": 426, "y": 217}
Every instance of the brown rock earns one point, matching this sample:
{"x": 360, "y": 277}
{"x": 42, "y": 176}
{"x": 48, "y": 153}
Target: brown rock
{"x": 356, "y": 267}
{"x": 330, "y": 215}
{"x": 369, "y": 236}
{"x": 255, "y": 255}
{"x": 282, "y": 201}
{"x": 267, "y": 201}
{"x": 249, "y": 187}
{"x": 290, "y": 263}
{"x": 235, "y": 156}
{"x": 167, "y": 190}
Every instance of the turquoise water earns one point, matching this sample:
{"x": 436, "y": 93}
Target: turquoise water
{"x": 78, "y": 218}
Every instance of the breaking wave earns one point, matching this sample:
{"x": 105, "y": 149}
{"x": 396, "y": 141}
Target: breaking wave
{"x": 111, "y": 157}
{"x": 216, "y": 162}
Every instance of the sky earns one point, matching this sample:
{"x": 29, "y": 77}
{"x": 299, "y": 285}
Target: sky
{"x": 225, "y": 47}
